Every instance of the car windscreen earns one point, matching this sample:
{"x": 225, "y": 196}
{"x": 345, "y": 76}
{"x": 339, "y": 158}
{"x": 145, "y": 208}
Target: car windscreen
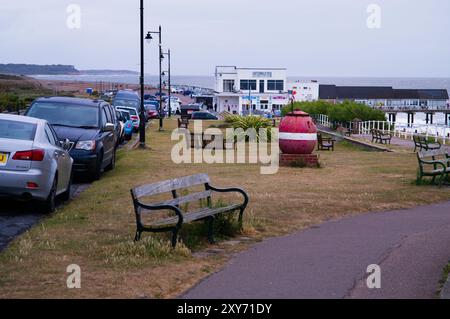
{"x": 17, "y": 130}
{"x": 127, "y": 103}
{"x": 150, "y": 107}
{"x": 65, "y": 114}
{"x": 131, "y": 111}
{"x": 125, "y": 115}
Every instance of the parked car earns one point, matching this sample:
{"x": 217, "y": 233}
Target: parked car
{"x": 121, "y": 124}
{"x": 127, "y": 94}
{"x": 133, "y": 115}
{"x": 129, "y": 102}
{"x": 88, "y": 124}
{"x": 152, "y": 109}
{"x": 162, "y": 94}
{"x": 149, "y": 97}
{"x": 203, "y": 116}
{"x": 33, "y": 162}
{"x": 128, "y": 124}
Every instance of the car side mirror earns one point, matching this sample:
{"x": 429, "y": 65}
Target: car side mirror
{"x": 109, "y": 127}
{"x": 65, "y": 144}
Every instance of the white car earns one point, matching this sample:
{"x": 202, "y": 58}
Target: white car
{"x": 34, "y": 164}
{"x": 134, "y": 116}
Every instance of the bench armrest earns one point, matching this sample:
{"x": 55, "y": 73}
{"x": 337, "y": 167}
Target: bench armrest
{"x": 434, "y": 163}
{"x": 175, "y": 209}
{"x": 230, "y": 190}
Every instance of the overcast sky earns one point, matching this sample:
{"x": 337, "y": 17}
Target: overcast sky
{"x": 308, "y": 37}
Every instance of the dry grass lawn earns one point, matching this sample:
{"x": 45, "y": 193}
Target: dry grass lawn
{"x": 96, "y": 230}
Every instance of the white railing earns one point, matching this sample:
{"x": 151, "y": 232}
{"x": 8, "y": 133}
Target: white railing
{"x": 323, "y": 120}
{"x": 405, "y": 131}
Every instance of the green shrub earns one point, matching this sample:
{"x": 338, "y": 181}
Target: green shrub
{"x": 341, "y": 112}
{"x": 248, "y": 122}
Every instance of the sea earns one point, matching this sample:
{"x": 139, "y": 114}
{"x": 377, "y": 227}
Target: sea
{"x": 207, "y": 82}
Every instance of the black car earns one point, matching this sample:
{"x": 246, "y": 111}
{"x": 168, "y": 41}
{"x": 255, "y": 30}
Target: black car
{"x": 203, "y": 116}
{"x": 88, "y": 124}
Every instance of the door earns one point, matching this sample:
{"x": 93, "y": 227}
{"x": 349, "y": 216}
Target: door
{"x": 107, "y": 137}
{"x": 62, "y": 159}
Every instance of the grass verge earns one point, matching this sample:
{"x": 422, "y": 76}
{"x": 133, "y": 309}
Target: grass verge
{"x": 96, "y": 230}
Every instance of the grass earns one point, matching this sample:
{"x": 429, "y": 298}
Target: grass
{"x": 443, "y": 280}
{"x": 96, "y": 230}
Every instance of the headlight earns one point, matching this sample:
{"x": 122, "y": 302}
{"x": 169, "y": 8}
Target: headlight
{"x": 85, "y": 145}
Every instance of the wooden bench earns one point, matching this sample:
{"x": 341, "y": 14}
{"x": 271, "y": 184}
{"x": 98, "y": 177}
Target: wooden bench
{"x": 325, "y": 143}
{"x": 421, "y": 143}
{"x": 378, "y": 136}
{"x": 183, "y": 122}
{"x": 201, "y": 142}
{"x": 439, "y": 160}
{"x": 174, "y": 223}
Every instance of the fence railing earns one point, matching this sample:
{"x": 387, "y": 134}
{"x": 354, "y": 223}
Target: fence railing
{"x": 405, "y": 131}
{"x": 322, "y": 119}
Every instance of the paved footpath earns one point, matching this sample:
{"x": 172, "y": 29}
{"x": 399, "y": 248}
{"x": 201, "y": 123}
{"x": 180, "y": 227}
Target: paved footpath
{"x": 330, "y": 260}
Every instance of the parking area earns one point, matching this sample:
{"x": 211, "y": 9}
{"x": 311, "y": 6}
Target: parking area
{"x": 16, "y": 217}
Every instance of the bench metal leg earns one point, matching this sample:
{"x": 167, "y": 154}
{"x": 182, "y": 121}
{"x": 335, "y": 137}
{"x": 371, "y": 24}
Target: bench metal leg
{"x": 211, "y": 229}
{"x": 137, "y": 237}
{"x": 174, "y": 237}
{"x": 241, "y": 217}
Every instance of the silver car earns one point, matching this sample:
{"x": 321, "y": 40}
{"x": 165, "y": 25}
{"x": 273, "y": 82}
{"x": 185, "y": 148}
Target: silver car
{"x": 33, "y": 163}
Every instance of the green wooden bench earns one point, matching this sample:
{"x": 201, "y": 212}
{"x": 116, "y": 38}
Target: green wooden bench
{"x": 325, "y": 143}
{"x": 174, "y": 223}
{"x": 378, "y": 136}
{"x": 421, "y": 143}
{"x": 435, "y": 163}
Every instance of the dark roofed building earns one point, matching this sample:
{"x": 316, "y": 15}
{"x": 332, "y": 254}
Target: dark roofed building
{"x": 327, "y": 92}
{"x": 364, "y": 92}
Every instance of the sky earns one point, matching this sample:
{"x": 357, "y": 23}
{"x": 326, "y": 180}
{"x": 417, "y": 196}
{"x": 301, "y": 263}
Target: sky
{"x": 405, "y": 38}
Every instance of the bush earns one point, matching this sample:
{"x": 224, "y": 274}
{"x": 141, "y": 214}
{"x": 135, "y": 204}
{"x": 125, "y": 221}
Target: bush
{"x": 10, "y": 102}
{"x": 342, "y": 112}
{"x": 247, "y": 122}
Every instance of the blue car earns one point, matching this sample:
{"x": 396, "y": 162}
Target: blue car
{"x": 127, "y": 124}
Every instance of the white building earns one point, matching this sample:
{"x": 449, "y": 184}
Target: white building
{"x": 304, "y": 91}
{"x": 250, "y": 90}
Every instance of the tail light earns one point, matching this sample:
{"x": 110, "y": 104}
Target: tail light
{"x": 134, "y": 118}
{"x": 33, "y": 155}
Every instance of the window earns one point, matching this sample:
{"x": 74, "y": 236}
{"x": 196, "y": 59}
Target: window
{"x": 107, "y": 114}
{"x": 17, "y": 130}
{"x": 228, "y": 85}
{"x": 275, "y": 85}
{"x": 50, "y": 136}
{"x": 248, "y": 85}
{"x": 65, "y": 114}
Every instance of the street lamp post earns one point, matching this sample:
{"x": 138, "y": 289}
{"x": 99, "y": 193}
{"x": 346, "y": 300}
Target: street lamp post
{"x": 170, "y": 87}
{"x": 161, "y": 57}
{"x": 141, "y": 80}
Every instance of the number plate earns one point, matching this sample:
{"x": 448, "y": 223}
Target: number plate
{"x": 3, "y": 159}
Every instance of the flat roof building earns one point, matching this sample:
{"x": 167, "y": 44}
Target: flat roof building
{"x": 250, "y": 90}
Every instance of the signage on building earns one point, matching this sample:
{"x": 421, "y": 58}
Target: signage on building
{"x": 262, "y": 74}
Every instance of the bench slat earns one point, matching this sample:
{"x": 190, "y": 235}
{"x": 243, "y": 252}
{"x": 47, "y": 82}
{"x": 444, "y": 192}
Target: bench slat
{"x": 432, "y": 153}
{"x": 190, "y": 217}
{"x": 184, "y": 199}
{"x": 170, "y": 185}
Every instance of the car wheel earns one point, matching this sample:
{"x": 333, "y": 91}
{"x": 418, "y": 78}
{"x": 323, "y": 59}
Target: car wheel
{"x": 111, "y": 166}
{"x": 66, "y": 195}
{"x": 49, "y": 206}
